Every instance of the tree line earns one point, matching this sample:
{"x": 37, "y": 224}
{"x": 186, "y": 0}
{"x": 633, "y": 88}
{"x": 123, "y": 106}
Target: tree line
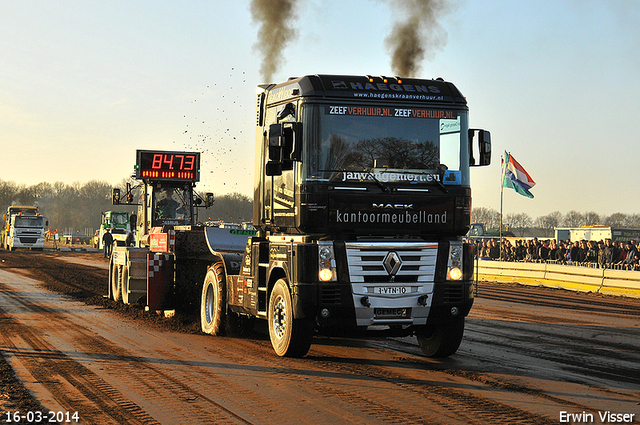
{"x": 79, "y": 206}
{"x": 522, "y": 224}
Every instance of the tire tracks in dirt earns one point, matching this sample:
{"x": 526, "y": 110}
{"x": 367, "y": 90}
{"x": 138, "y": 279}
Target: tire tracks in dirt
{"x": 77, "y": 388}
{"x": 230, "y": 380}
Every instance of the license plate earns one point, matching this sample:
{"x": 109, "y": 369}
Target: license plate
{"x": 391, "y": 313}
{"x": 391, "y": 290}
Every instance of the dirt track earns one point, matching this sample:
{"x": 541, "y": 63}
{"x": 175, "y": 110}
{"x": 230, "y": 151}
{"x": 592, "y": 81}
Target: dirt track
{"x": 528, "y": 355}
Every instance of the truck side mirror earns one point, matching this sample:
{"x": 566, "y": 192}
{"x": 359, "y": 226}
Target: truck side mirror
{"x": 274, "y": 165}
{"x": 274, "y": 168}
{"x": 275, "y": 142}
{"x": 285, "y": 141}
{"x": 208, "y": 200}
{"x": 484, "y": 147}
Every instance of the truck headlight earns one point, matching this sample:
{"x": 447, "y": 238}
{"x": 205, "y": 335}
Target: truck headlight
{"x": 326, "y": 262}
{"x": 454, "y": 265}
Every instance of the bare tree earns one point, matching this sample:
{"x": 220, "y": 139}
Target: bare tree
{"x": 486, "y": 215}
{"x": 7, "y": 191}
{"x": 633, "y": 221}
{"x": 616, "y": 220}
{"x": 234, "y": 208}
{"x": 573, "y": 219}
{"x": 94, "y": 197}
{"x": 549, "y": 222}
{"x": 591, "y": 217}
{"x": 518, "y": 223}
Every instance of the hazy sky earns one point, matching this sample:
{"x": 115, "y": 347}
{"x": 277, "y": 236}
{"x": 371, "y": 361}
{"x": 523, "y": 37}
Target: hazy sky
{"x": 83, "y": 84}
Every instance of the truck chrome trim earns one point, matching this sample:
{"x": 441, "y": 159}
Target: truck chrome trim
{"x": 392, "y": 245}
{"x": 402, "y": 189}
{"x": 408, "y": 266}
{"x": 350, "y": 188}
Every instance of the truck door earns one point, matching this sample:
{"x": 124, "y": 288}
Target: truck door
{"x": 284, "y": 141}
{"x": 281, "y": 148}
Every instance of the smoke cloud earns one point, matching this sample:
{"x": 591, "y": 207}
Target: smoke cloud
{"x": 275, "y": 18}
{"x": 417, "y": 36}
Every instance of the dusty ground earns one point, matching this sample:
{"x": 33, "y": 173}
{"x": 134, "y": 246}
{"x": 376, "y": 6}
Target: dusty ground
{"x": 528, "y": 354}
{"x": 13, "y": 396}
{"x": 81, "y": 275}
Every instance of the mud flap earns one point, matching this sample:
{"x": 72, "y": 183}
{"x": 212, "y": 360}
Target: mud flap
{"x": 160, "y": 281}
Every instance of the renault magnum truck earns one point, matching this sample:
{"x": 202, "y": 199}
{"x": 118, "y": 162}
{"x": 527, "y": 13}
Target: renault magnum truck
{"x": 362, "y": 196}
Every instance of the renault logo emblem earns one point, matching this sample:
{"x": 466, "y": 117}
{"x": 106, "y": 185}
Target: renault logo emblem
{"x": 392, "y": 263}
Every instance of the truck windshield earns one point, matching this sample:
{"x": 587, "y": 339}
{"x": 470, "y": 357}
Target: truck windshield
{"x": 390, "y": 144}
{"x": 172, "y": 203}
{"x": 29, "y": 222}
{"x": 476, "y": 230}
{"x": 119, "y": 218}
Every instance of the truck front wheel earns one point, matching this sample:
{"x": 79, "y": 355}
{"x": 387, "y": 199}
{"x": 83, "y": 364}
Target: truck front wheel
{"x": 289, "y": 337}
{"x": 212, "y": 305}
{"x": 441, "y": 340}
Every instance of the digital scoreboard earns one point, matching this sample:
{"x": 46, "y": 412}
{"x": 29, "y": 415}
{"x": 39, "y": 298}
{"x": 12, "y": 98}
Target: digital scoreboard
{"x": 167, "y": 165}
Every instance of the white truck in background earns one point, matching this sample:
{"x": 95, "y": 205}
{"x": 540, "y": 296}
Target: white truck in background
{"x": 24, "y": 228}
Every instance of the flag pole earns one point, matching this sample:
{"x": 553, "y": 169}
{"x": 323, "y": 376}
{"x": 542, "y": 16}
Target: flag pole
{"x": 502, "y": 174}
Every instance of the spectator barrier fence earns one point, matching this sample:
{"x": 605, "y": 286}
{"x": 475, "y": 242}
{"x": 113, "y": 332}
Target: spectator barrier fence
{"x": 551, "y": 275}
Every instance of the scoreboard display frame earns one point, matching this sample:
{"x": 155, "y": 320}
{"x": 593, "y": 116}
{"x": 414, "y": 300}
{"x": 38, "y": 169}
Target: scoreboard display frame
{"x": 167, "y": 165}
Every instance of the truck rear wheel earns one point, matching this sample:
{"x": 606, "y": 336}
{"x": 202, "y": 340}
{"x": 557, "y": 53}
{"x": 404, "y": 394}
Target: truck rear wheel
{"x": 289, "y": 337}
{"x": 441, "y": 340}
{"x": 116, "y": 286}
{"x": 213, "y": 303}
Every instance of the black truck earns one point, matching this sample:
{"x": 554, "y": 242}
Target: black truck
{"x": 362, "y": 196}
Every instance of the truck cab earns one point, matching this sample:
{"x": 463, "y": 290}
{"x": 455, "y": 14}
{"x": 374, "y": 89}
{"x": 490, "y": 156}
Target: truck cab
{"x": 24, "y": 228}
{"x": 118, "y": 224}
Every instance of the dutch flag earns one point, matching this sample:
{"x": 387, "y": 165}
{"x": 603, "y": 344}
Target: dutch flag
{"x": 516, "y": 177}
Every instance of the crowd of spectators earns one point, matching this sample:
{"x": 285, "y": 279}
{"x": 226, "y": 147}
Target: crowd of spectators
{"x": 601, "y": 254}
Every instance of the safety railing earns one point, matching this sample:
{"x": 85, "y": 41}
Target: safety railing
{"x": 577, "y": 278}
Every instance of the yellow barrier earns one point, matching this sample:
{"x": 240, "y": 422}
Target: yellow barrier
{"x": 584, "y": 279}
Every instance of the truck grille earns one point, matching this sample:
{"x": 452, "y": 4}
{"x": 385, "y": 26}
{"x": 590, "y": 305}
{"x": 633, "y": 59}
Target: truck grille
{"x": 330, "y": 295}
{"x": 453, "y": 294}
{"x": 28, "y": 240}
{"x": 380, "y": 262}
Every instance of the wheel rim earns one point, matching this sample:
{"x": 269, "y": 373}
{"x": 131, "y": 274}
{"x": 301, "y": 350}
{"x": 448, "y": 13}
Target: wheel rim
{"x": 279, "y": 317}
{"x": 115, "y": 281}
{"x": 208, "y": 308}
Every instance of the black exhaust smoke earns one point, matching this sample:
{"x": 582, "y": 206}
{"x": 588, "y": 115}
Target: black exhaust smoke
{"x": 275, "y": 32}
{"x": 417, "y": 36}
